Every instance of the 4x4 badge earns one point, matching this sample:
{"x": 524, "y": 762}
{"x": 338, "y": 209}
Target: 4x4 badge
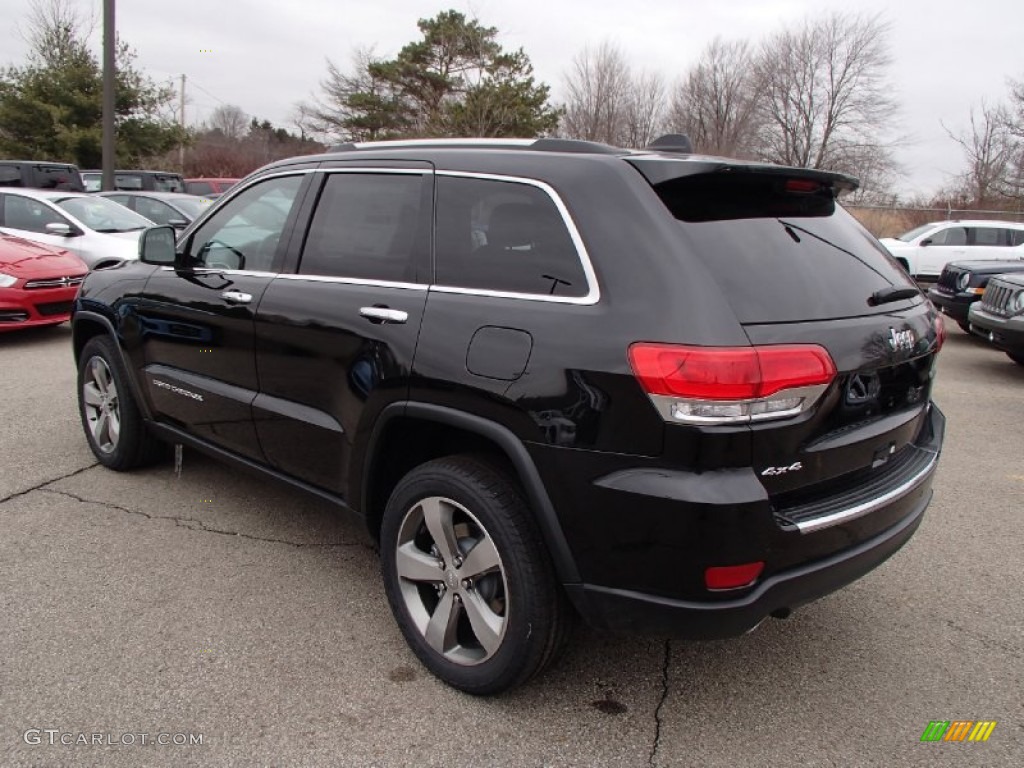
{"x": 901, "y": 340}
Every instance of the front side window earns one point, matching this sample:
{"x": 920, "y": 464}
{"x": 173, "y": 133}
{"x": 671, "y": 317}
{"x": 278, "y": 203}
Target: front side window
{"x": 504, "y": 236}
{"x": 29, "y": 215}
{"x": 246, "y": 232}
{"x": 951, "y": 236}
{"x": 367, "y": 226}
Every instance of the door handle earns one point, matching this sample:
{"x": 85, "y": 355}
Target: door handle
{"x": 384, "y": 314}
{"x": 236, "y": 297}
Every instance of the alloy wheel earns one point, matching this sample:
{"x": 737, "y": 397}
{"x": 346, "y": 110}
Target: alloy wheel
{"x": 102, "y": 408}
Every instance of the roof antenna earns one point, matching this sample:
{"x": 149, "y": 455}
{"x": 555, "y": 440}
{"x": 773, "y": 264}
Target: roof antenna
{"x": 673, "y": 142}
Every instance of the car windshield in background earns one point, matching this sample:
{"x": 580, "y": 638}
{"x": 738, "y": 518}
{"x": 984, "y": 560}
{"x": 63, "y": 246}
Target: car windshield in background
{"x": 193, "y": 207}
{"x": 906, "y": 237}
{"x": 103, "y": 215}
{"x": 167, "y": 184}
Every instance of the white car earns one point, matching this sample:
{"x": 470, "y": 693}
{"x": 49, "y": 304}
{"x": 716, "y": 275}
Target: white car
{"x": 99, "y": 231}
{"x": 925, "y": 250}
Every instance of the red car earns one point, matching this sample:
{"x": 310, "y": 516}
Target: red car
{"x": 37, "y": 283}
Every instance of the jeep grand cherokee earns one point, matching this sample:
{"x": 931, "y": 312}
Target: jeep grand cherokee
{"x": 661, "y": 391}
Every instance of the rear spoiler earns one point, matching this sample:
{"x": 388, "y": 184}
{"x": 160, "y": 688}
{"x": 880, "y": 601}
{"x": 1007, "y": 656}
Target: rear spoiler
{"x": 659, "y": 168}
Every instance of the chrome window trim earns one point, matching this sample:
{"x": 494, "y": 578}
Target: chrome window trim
{"x": 593, "y": 295}
{"x": 867, "y": 507}
{"x": 355, "y": 281}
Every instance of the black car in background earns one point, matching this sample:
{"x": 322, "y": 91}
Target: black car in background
{"x": 35, "y": 174}
{"x": 665, "y": 392}
{"x": 136, "y": 181}
{"x": 963, "y": 282}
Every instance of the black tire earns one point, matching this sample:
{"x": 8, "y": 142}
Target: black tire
{"x": 520, "y": 592}
{"x": 964, "y": 326}
{"x": 132, "y": 445}
{"x": 1016, "y": 357}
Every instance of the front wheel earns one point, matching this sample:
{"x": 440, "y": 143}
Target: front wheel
{"x": 113, "y": 425}
{"x": 469, "y": 582}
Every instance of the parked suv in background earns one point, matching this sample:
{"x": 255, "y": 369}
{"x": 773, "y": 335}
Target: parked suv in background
{"x": 34, "y": 174}
{"x": 668, "y": 392}
{"x": 963, "y": 282}
{"x": 925, "y": 250}
{"x": 999, "y": 316}
{"x": 134, "y": 181}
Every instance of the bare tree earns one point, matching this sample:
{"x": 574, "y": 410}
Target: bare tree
{"x": 826, "y": 97}
{"x": 716, "y": 103}
{"x": 230, "y": 121}
{"x": 597, "y": 88}
{"x": 643, "y": 111}
{"x": 990, "y": 150}
{"x": 53, "y": 28}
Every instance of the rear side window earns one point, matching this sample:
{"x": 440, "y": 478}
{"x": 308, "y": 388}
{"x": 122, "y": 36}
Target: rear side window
{"x": 780, "y": 250}
{"x": 1016, "y": 237}
{"x": 504, "y": 236}
{"x": 10, "y": 176}
{"x": 368, "y": 226}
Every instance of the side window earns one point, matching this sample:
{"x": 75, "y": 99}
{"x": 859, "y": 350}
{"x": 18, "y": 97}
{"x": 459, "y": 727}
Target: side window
{"x": 124, "y": 200}
{"x": 1016, "y": 237}
{"x": 245, "y": 233}
{"x": 10, "y": 176}
{"x": 504, "y": 236}
{"x": 167, "y": 183}
{"x": 367, "y": 226}
{"x": 950, "y": 236}
{"x": 154, "y": 210}
{"x": 986, "y": 236}
{"x": 29, "y": 215}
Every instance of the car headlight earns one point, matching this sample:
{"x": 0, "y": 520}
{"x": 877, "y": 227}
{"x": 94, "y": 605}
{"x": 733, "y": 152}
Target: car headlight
{"x": 963, "y": 281}
{"x": 6, "y": 281}
{"x": 1017, "y": 305}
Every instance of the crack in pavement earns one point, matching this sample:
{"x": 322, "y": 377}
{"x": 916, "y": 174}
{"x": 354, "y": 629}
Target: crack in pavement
{"x": 42, "y": 486}
{"x": 194, "y": 524}
{"x": 985, "y": 641}
{"x": 657, "y": 711}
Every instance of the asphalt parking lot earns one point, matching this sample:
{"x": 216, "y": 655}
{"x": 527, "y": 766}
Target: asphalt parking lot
{"x": 225, "y": 606}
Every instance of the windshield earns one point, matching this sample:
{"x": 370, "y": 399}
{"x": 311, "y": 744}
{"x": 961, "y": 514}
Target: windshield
{"x": 167, "y": 184}
{"x": 193, "y": 206}
{"x": 102, "y": 215}
{"x": 906, "y": 237}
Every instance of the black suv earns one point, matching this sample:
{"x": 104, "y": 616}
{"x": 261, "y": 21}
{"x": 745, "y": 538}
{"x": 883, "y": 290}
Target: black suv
{"x": 35, "y": 174}
{"x": 662, "y": 391}
{"x": 135, "y": 181}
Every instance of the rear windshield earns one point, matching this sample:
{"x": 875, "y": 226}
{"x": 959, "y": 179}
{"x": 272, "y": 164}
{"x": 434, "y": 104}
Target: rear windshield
{"x": 781, "y": 249}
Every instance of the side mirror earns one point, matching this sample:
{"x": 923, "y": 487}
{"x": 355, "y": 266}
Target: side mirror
{"x": 926, "y": 241}
{"x": 156, "y": 246}
{"x": 60, "y": 228}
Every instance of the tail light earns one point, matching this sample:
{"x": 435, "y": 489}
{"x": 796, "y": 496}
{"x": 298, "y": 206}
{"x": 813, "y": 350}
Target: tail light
{"x": 732, "y": 576}
{"x": 730, "y": 385}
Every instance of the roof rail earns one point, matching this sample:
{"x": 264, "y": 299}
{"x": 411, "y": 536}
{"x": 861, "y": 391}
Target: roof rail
{"x": 673, "y": 142}
{"x": 537, "y": 145}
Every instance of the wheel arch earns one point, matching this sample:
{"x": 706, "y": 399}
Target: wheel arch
{"x": 408, "y": 434}
{"x": 88, "y": 325}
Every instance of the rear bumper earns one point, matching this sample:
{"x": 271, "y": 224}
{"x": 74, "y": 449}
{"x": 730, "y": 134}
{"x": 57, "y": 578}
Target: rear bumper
{"x": 622, "y": 610}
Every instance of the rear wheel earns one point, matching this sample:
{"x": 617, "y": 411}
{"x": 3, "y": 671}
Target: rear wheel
{"x": 113, "y": 425}
{"x": 468, "y": 579}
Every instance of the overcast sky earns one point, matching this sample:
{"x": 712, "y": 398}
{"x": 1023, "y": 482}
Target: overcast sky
{"x": 266, "y": 55}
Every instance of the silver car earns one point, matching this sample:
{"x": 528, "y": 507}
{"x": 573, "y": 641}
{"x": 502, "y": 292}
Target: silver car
{"x": 99, "y": 231}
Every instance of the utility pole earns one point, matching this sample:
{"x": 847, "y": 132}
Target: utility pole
{"x": 109, "y": 81}
{"x": 181, "y": 147}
